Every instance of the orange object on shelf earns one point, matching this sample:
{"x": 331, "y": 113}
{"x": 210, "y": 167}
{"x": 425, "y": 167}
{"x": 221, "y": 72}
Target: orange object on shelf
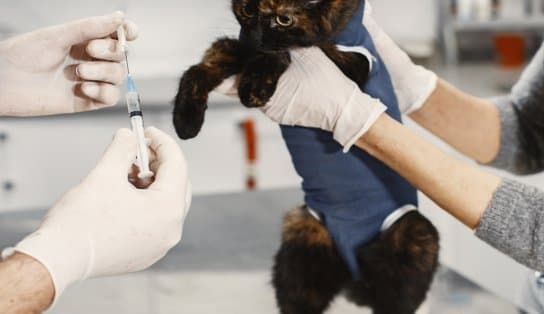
{"x": 511, "y": 50}
{"x": 250, "y": 137}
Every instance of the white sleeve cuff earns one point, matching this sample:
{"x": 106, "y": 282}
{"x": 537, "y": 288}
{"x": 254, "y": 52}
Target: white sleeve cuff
{"x": 422, "y": 95}
{"x": 358, "y": 117}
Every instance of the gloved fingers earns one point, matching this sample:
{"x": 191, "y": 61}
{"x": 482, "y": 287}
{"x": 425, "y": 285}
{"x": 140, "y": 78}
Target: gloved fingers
{"x": 102, "y": 94}
{"x": 131, "y": 31}
{"x": 307, "y": 56}
{"x": 79, "y": 53}
{"x": 170, "y": 163}
{"x": 81, "y": 31}
{"x": 308, "y": 61}
{"x": 108, "y": 48}
{"x": 105, "y": 49}
{"x": 153, "y": 161}
{"x": 118, "y": 158}
{"x": 101, "y": 71}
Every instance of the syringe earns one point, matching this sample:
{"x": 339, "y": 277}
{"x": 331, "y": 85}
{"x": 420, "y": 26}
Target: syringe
{"x": 135, "y": 112}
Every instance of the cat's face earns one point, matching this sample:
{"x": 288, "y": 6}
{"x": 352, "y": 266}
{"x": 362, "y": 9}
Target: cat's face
{"x": 273, "y": 25}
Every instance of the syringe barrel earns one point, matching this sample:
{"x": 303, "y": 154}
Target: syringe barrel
{"x": 143, "y": 156}
{"x": 137, "y": 121}
{"x": 133, "y": 103}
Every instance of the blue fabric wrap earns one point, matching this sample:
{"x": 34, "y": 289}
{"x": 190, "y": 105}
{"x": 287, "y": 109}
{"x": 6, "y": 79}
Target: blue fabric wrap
{"x": 354, "y": 192}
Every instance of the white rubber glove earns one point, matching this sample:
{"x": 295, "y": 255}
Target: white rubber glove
{"x": 413, "y": 83}
{"x": 63, "y": 69}
{"x": 106, "y": 226}
{"x": 314, "y": 93}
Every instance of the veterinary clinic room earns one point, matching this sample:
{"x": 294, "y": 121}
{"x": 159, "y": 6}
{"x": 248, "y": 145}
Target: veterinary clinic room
{"x": 272, "y": 156}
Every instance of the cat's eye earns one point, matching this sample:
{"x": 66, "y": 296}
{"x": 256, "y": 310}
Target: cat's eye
{"x": 284, "y": 20}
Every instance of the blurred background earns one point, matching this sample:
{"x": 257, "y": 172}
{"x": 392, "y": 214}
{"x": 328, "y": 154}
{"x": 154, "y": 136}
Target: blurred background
{"x": 240, "y": 169}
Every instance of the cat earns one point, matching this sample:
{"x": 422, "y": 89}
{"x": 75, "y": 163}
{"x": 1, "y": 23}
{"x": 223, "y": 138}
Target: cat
{"x": 261, "y": 55}
{"x": 308, "y": 273}
{"x": 399, "y": 266}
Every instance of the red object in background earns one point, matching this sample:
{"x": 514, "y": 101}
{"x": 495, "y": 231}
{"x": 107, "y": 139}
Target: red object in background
{"x": 250, "y": 138}
{"x": 511, "y": 50}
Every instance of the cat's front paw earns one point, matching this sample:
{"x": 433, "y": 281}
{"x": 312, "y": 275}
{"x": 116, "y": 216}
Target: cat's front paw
{"x": 191, "y": 103}
{"x": 189, "y": 117}
{"x": 256, "y": 90}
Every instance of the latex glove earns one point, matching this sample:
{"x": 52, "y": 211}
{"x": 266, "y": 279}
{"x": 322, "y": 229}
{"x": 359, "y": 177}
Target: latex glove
{"x": 106, "y": 226}
{"x": 63, "y": 69}
{"x": 314, "y": 93}
{"x": 413, "y": 83}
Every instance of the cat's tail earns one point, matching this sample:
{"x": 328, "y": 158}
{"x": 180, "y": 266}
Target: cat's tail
{"x": 308, "y": 271}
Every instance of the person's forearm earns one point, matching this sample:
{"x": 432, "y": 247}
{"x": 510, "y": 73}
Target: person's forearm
{"x": 461, "y": 189}
{"x": 470, "y": 124}
{"x": 506, "y": 214}
{"x": 25, "y": 286}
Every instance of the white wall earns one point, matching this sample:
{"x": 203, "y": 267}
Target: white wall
{"x": 174, "y": 33}
{"x": 407, "y": 20}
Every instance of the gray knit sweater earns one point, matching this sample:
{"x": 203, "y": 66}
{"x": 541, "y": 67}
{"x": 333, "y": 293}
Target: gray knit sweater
{"x": 514, "y": 221}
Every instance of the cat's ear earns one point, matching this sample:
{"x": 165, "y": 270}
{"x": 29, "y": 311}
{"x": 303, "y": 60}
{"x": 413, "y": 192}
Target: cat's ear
{"x": 313, "y": 3}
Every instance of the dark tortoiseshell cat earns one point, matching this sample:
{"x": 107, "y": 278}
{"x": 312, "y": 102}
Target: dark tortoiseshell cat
{"x": 399, "y": 263}
{"x": 269, "y": 28}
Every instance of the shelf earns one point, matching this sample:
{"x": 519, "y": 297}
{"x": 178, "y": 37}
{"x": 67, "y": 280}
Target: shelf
{"x": 530, "y": 23}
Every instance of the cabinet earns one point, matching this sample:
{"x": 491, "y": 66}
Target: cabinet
{"x": 41, "y": 158}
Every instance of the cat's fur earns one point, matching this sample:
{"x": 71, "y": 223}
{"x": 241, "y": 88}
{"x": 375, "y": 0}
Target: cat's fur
{"x": 260, "y": 56}
{"x": 398, "y": 266}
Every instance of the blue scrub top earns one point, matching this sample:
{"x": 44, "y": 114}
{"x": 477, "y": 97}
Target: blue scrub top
{"x": 354, "y": 192}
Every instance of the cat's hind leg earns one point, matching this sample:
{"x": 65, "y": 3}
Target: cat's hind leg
{"x": 308, "y": 272}
{"x": 225, "y": 58}
{"x": 398, "y": 267}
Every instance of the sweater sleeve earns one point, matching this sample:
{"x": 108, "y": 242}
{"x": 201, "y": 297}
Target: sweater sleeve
{"x": 514, "y": 223}
{"x": 522, "y": 137}
{"x": 522, "y": 122}
{"x": 511, "y": 155}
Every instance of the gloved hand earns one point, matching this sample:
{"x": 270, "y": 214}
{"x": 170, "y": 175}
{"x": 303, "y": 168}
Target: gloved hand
{"x": 63, "y": 69}
{"x": 413, "y": 83}
{"x": 106, "y": 226}
{"x": 314, "y": 93}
